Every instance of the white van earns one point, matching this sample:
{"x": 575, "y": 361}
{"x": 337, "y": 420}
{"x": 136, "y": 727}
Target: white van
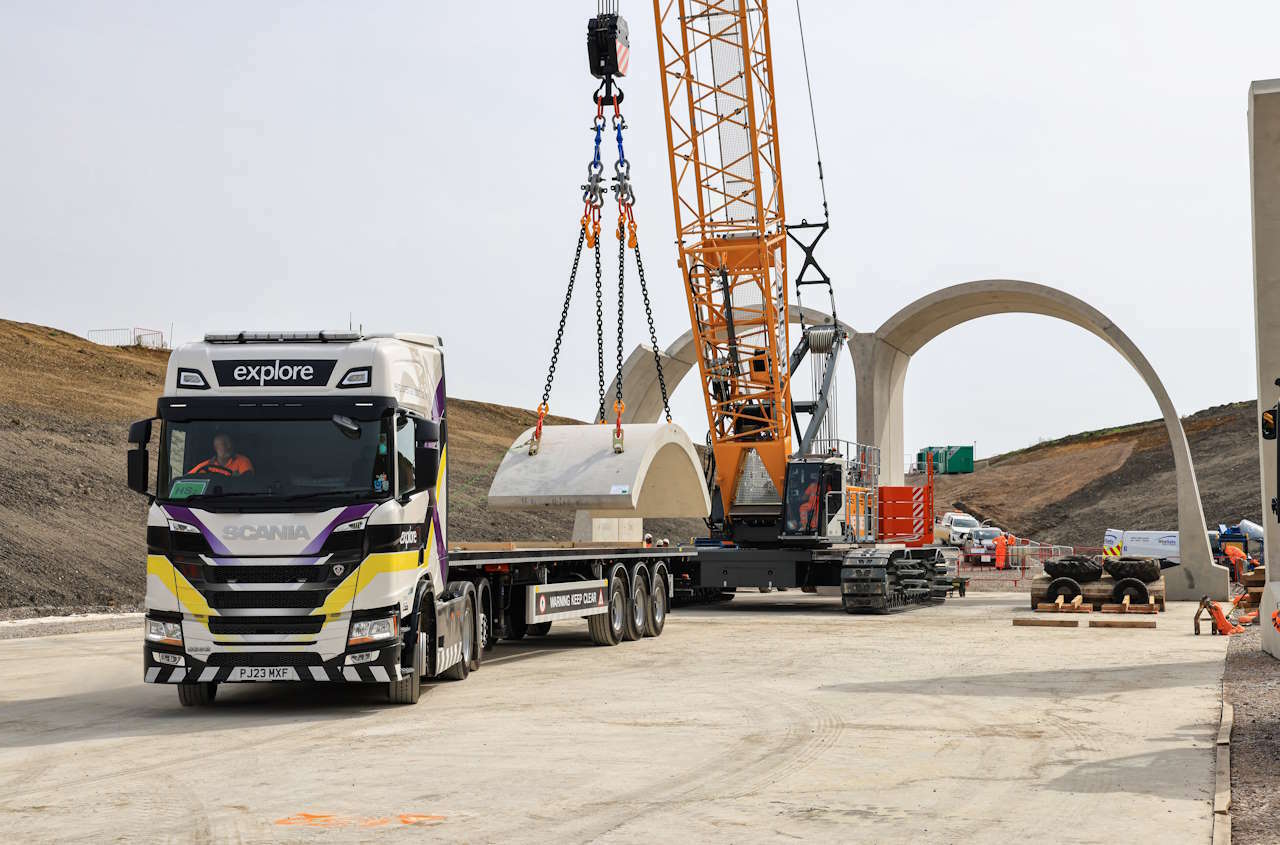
{"x": 1141, "y": 543}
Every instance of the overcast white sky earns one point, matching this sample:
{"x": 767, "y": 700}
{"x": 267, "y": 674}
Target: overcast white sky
{"x": 258, "y": 165}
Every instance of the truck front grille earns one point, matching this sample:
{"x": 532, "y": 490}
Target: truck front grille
{"x": 265, "y": 574}
{"x": 265, "y": 624}
{"x": 264, "y": 599}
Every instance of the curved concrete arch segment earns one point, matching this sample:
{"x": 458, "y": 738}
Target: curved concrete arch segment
{"x": 641, "y": 387}
{"x": 880, "y": 364}
{"x": 658, "y": 474}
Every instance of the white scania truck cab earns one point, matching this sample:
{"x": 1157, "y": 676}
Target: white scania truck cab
{"x": 297, "y": 526}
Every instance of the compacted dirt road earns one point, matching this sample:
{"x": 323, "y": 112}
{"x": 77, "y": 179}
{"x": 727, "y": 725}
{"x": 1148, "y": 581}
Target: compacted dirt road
{"x": 773, "y": 717}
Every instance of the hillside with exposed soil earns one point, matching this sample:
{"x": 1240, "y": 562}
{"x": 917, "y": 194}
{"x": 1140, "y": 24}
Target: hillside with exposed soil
{"x": 71, "y": 533}
{"x": 1071, "y": 490}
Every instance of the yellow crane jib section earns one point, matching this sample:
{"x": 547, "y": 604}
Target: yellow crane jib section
{"x": 718, "y": 98}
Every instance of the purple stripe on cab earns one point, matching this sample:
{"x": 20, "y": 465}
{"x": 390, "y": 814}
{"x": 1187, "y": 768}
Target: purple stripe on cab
{"x": 441, "y": 551}
{"x": 185, "y": 515}
{"x": 348, "y": 513}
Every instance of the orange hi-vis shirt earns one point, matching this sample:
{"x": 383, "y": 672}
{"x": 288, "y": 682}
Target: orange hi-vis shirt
{"x": 235, "y": 465}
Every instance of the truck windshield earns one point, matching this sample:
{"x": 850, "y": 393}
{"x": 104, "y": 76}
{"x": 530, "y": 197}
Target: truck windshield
{"x": 208, "y": 460}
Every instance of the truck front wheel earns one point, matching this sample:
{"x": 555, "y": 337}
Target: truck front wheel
{"x": 197, "y": 695}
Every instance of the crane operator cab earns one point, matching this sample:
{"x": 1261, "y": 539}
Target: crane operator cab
{"x": 814, "y": 500}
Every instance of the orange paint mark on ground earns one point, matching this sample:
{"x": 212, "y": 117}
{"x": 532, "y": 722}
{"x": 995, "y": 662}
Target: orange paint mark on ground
{"x": 331, "y": 820}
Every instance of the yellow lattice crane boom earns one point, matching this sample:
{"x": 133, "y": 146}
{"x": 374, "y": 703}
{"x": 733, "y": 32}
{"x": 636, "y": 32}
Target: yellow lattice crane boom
{"x": 726, "y": 174}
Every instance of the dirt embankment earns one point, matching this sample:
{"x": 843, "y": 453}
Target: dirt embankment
{"x": 1071, "y": 490}
{"x": 72, "y": 535}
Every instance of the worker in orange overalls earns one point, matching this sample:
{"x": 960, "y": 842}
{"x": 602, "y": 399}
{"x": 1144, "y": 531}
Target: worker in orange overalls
{"x": 809, "y": 507}
{"x": 225, "y": 460}
{"x": 1000, "y": 551}
{"x": 1237, "y": 560}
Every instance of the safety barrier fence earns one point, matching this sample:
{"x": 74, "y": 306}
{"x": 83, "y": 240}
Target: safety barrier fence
{"x": 150, "y": 338}
{"x": 1014, "y": 568}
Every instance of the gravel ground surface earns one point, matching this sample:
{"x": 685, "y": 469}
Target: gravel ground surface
{"x": 1252, "y": 685}
{"x": 771, "y": 718}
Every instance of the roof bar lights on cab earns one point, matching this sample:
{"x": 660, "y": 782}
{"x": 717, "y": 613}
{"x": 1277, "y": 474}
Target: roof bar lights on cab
{"x": 284, "y": 337}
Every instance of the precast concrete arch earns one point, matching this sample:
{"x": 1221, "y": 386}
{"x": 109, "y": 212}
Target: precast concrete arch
{"x": 880, "y": 362}
{"x": 640, "y": 385}
{"x": 880, "y": 366}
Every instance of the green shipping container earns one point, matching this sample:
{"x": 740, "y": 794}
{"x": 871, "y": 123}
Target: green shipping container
{"x": 948, "y": 460}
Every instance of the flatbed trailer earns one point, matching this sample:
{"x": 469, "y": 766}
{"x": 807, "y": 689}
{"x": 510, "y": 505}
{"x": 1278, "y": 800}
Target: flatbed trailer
{"x": 624, "y": 591}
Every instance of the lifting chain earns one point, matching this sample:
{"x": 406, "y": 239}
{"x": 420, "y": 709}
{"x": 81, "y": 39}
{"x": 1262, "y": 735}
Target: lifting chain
{"x": 593, "y": 191}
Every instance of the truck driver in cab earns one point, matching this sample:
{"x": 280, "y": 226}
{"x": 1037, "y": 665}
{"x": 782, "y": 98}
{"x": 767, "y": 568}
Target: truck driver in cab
{"x": 225, "y": 461}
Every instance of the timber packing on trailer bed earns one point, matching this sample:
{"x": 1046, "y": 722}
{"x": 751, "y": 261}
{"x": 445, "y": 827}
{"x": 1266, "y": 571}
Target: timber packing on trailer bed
{"x": 298, "y": 526}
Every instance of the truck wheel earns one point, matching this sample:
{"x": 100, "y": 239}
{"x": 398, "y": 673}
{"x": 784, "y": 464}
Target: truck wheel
{"x": 487, "y": 639}
{"x": 656, "y": 618}
{"x": 608, "y": 628}
{"x": 637, "y": 608}
{"x": 460, "y": 670}
{"x": 408, "y": 689}
{"x": 197, "y": 695}
{"x": 539, "y": 629}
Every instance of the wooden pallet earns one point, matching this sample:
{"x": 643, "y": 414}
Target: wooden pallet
{"x": 1096, "y": 593}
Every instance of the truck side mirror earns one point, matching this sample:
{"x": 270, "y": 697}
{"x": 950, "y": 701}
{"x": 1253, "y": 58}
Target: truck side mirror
{"x": 140, "y": 432}
{"x": 426, "y": 466}
{"x": 1269, "y": 423}
{"x": 138, "y": 468}
{"x": 426, "y": 431}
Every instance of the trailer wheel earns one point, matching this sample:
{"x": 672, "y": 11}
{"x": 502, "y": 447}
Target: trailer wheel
{"x": 608, "y": 628}
{"x": 197, "y": 695}
{"x": 656, "y": 617}
{"x": 460, "y": 670}
{"x": 539, "y": 629}
{"x": 637, "y": 607}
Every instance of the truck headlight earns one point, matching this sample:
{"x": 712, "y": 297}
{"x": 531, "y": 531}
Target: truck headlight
{"x": 159, "y": 631}
{"x": 353, "y": 525}
{"x": 182, "y": 527}
{"x": 370, "y": 630}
